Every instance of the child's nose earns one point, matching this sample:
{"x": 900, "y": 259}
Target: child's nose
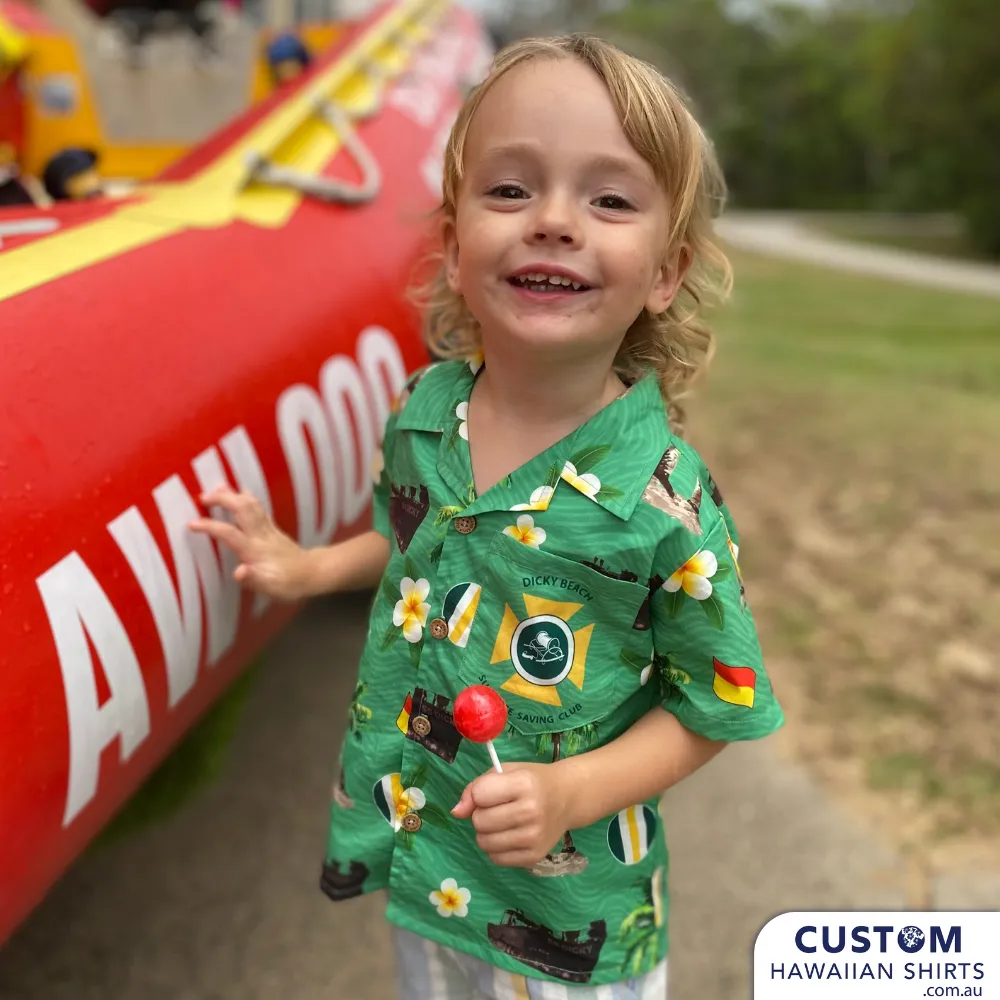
{"x": 556, "y": 222}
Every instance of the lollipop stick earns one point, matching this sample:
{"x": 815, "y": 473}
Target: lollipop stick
{"x": 494, "y": 757}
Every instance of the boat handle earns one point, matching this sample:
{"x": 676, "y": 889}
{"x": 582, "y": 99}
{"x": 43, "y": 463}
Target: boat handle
{"x": 263, "y": 171}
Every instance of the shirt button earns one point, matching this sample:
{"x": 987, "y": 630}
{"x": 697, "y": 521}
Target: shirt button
{"x": 439, "y": 628}
{"x": 465, "y": 525}
{"x": 412, "y": 822}
{"x": 421, "y": 725}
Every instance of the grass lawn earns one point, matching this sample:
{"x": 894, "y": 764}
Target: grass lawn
{"x": 854, "y": 427}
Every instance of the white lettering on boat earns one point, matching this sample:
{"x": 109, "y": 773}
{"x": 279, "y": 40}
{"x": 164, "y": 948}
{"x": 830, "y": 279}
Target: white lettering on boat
{"x": 327, "y": 437}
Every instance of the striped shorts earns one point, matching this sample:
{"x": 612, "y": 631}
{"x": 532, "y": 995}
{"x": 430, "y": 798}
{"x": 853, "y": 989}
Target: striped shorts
{"x": 426, "y": 970}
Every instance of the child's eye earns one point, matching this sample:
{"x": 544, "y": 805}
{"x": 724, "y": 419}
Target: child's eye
{"x": 508, "y": 191}
{"x": 615, "y": 202}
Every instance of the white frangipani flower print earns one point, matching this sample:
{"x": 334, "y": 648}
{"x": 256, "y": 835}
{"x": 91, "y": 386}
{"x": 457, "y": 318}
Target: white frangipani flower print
{"x": 539, "y": 499}
{"x": 451, "y": 899}
{"x": 406, "y": 801}
{"x": 694, "y": 576}
{"x": 588, "y": 484}
{"x": 411, "y": 612}
{"x": 526, "y": 532}
{"x": 462, "y": 412}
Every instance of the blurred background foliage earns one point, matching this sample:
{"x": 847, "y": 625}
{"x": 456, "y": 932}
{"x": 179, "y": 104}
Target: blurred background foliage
{"x": 862, "y": 105}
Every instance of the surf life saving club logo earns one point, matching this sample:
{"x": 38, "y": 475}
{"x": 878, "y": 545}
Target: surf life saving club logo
{"x": 539, "y": 649}
{"x": 544, "y": 650}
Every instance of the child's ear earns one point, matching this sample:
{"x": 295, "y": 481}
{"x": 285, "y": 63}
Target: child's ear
{"x": 449, "y": 239}
{"x": 669, "y": 280}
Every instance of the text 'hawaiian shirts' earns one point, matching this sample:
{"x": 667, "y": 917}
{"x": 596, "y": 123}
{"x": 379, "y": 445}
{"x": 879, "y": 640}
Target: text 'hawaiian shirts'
{"x": 594, "y": 583}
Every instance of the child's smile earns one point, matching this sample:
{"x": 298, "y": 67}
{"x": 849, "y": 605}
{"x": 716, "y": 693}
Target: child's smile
{"x": 561, "y": 227}
{"x": 550, "y": 282}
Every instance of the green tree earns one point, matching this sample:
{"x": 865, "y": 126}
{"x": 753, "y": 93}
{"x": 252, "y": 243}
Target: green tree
{"x": 964, "y": 39}
{"x": 862, "y": 104}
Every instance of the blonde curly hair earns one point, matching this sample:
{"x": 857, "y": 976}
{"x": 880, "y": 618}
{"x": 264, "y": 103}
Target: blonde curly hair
{"x": 677, "y": 344}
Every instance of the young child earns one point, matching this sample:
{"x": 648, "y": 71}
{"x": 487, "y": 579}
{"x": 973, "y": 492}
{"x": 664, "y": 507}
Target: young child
{"x": 541, "y": 528}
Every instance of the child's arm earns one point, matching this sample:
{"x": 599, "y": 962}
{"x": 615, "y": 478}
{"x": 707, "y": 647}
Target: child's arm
{"x": 275, "y": 564}
{"x": 355, "y": 564}
{"x": 646, "y": 760}
{"x": 520, "y": 814}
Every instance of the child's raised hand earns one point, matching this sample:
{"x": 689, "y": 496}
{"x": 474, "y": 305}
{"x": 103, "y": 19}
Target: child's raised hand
{"x": 269, "y": 561}
{"x": 518, "y": 815}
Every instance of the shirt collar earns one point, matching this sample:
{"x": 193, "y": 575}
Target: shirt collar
{"x": 610, "y": 458}
{"x": 442, "y": 385}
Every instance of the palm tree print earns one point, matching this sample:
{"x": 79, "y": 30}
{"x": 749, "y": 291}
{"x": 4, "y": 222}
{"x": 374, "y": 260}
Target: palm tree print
{"x": 574, "y": 741}
{"x": 359, "y": 715}
{"x": 447, "y": 512}
{"x": 640, "y": 930}
{"x": 672, "y": 678}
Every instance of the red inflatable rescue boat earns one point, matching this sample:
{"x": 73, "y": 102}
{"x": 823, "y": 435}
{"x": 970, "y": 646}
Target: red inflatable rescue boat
{"x": 242, "y": 320}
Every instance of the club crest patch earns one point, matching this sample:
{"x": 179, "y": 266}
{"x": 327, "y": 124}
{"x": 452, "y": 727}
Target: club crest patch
{"x": 631, "y": 834}
{"x": 543, "y": 648}
{"x": 460, "y": 606}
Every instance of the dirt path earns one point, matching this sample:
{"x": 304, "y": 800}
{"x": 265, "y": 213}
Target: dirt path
{"x": 783, "y": 235}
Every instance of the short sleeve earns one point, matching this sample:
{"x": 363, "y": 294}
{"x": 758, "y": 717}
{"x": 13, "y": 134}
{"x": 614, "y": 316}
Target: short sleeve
{"x": 705, "y": 641}
{"x": 382, "y": 474}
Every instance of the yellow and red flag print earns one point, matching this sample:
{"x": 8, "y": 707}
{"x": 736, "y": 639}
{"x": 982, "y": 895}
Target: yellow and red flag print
{"x": 403, "y": 719}
{"x": 734, "y": 684}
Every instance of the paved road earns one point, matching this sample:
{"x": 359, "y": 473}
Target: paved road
{"x": 221, "y": 903}
{"x": 782, "y": 235}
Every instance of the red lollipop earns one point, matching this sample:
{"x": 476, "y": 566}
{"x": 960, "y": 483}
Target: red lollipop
{"x": 480, "y": 716}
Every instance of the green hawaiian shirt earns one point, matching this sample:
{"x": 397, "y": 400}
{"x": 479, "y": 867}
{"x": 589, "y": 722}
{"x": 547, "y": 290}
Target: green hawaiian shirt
{"x": 595, "y": 582}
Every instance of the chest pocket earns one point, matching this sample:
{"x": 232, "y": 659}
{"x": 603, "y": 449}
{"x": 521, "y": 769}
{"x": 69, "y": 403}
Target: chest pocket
{"x": 555, "y": 638}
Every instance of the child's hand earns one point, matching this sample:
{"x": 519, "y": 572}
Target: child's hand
{"x": 518, "y": 815}
{"x": 270, "y": 561}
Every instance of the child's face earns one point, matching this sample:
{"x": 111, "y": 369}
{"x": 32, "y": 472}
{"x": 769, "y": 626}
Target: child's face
{"x": 553, "y": 187}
